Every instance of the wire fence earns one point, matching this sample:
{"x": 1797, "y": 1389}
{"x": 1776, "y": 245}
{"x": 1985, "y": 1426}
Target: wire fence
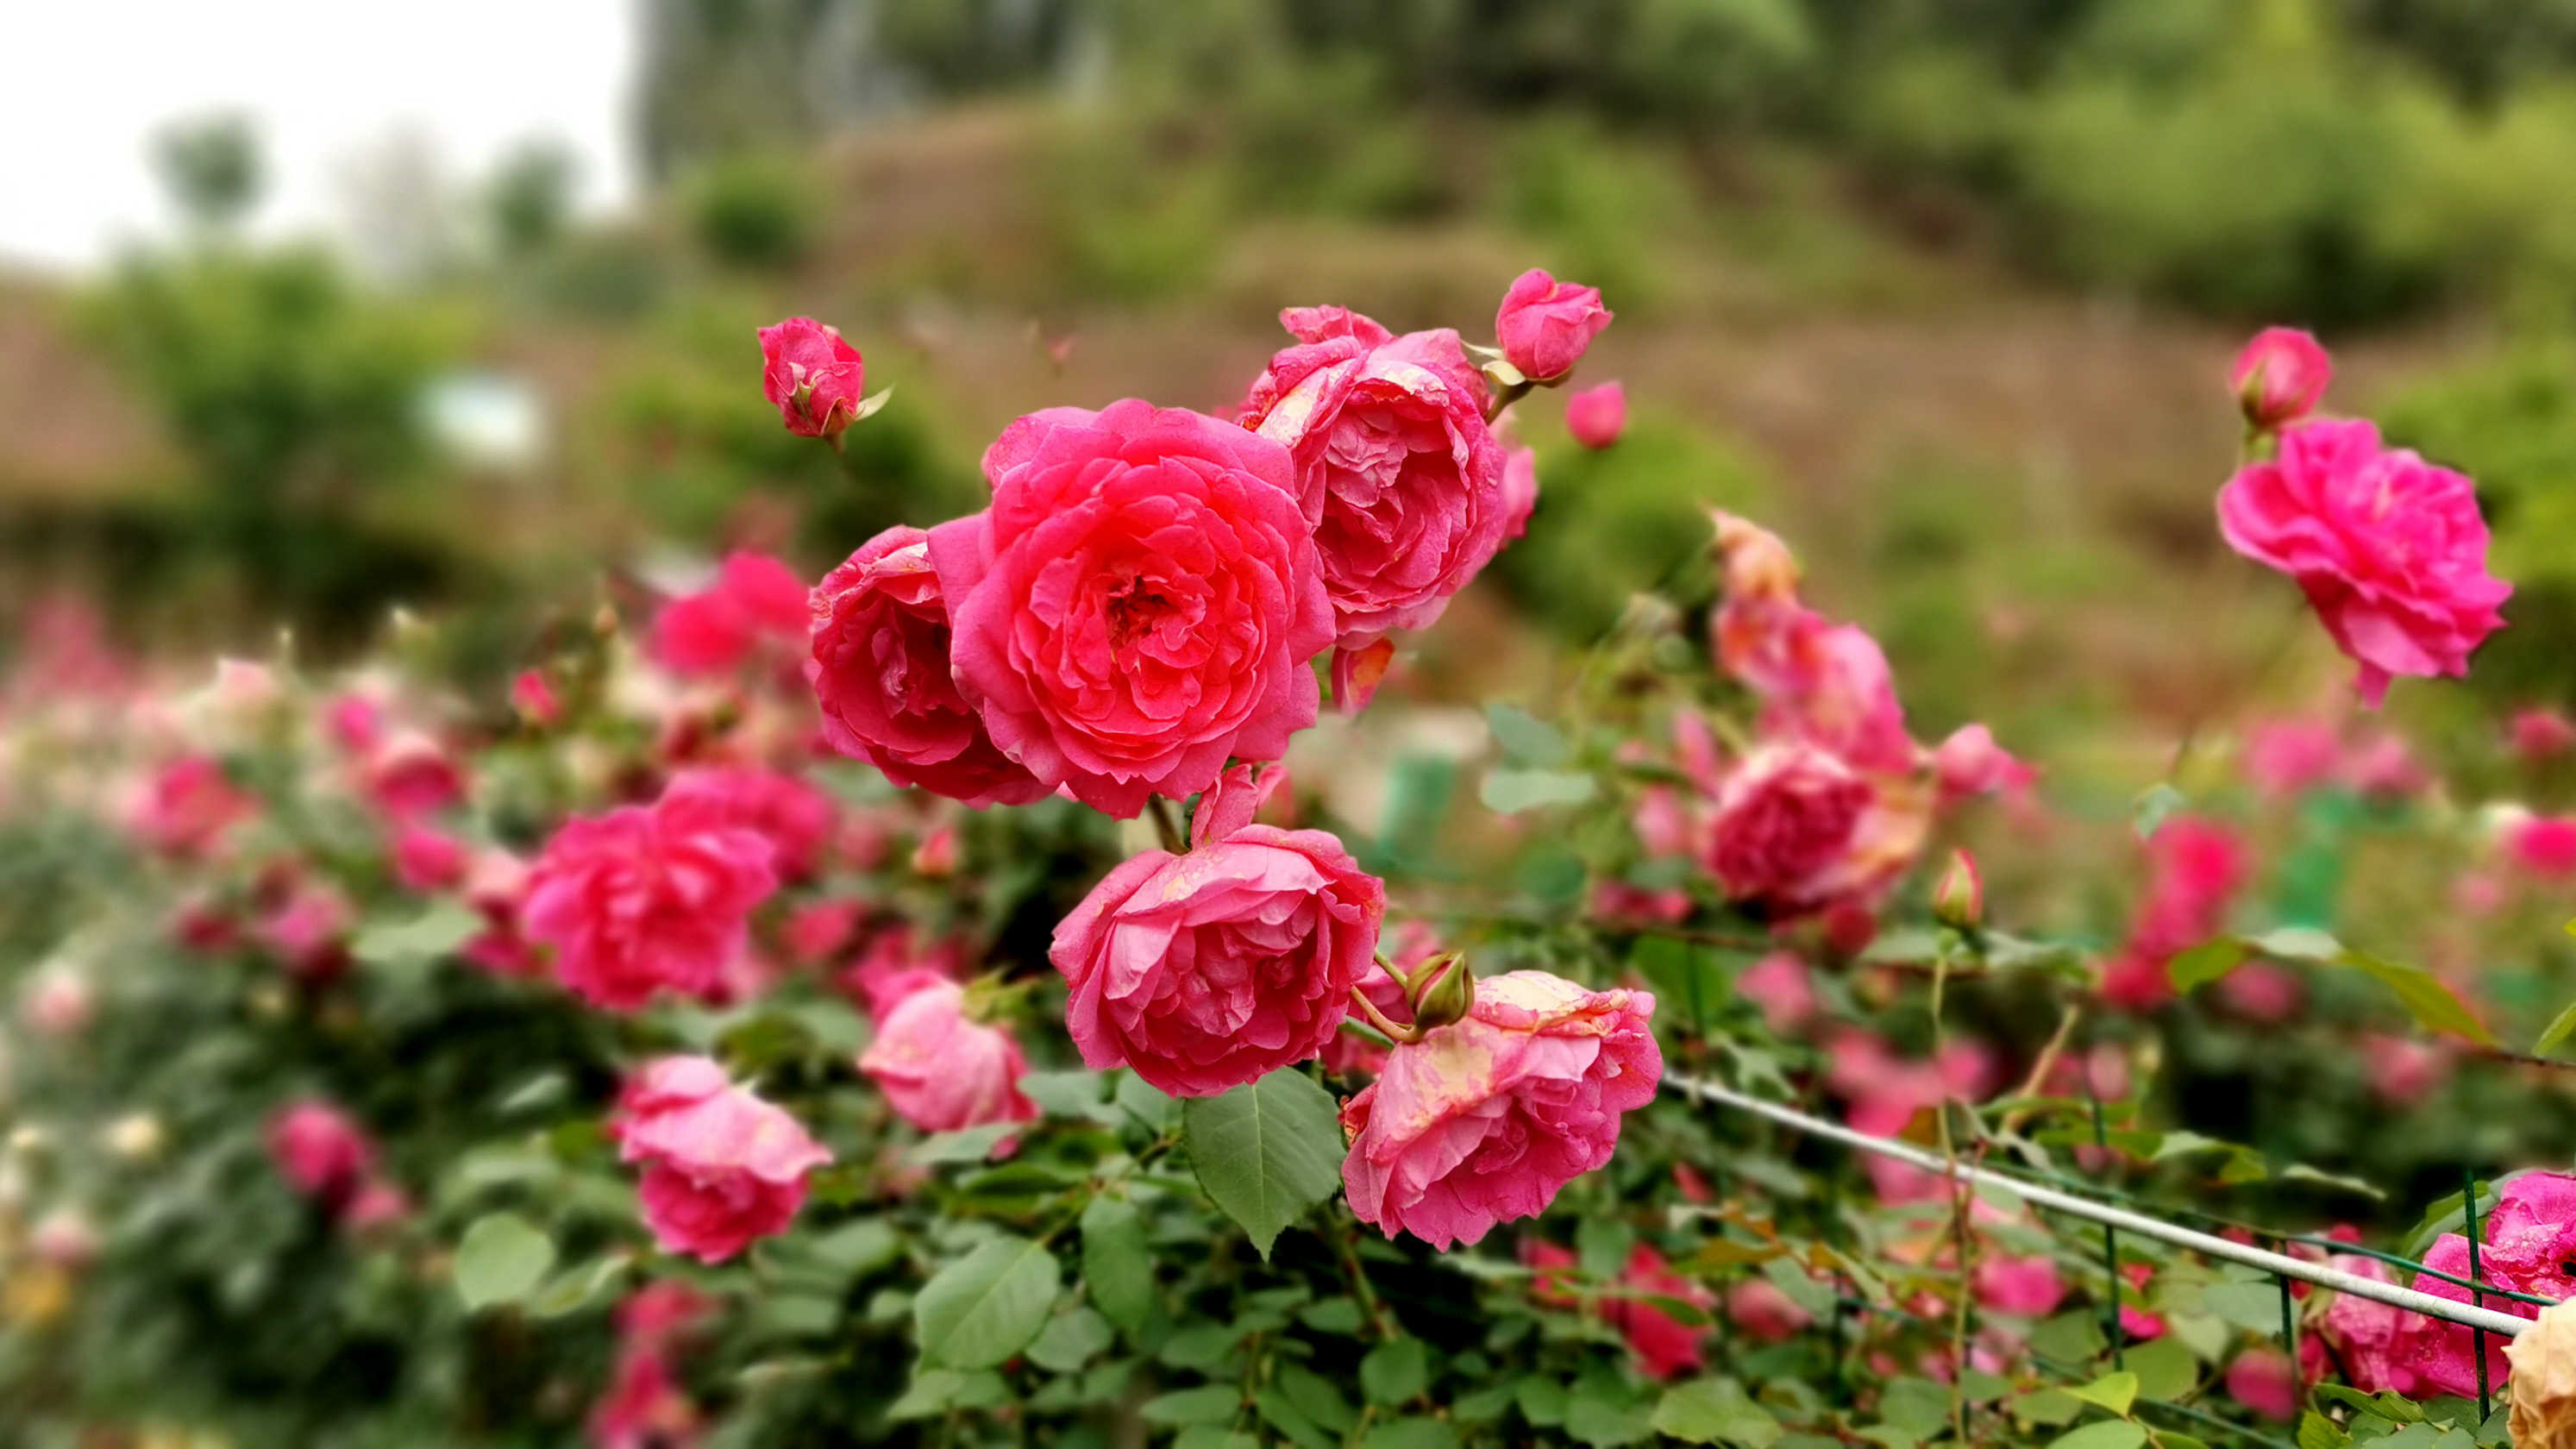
{"x": 2070, "y": 1198}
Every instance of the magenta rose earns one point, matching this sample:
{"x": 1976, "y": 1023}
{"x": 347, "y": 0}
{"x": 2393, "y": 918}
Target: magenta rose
{"x": 754, "y": 602}
{"x": 2390, "y": 549}
{"x": 811, "y": 376}
{"x": 320, "y": 1152}
{"x": 1597, "y": 416}
{"x": 1396, "y": 467}
{"x": 794, "y": 816}
{"x": 722, "y": 1168}
{"x": 1784, "y": 818}
{"x": 880, "y": 671}
{"x": 1204, "y": 971}
{"x": 1139, "y": 604}
{"x": 942, "y": 1069}
{"x": 1483, "y": 1120}
{"x": 1545, "y": 325}
{"x": 642, "y": 900}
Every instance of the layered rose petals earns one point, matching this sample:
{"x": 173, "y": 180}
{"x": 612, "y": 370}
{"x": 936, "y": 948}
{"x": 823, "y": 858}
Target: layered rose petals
{"x": 643, "y": 901}
{"x": 941, "y": 1069}
{"x": 722, "y": 1168}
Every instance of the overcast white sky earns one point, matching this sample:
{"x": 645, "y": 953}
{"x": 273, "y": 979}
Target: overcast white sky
{"x": 83, "y": 87}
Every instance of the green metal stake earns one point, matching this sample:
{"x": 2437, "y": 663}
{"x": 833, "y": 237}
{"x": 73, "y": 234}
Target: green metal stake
{"x": 2290, "y": 1335}
{"x": 2110, "y": 1244}
{"x": 2477, "y": 1336}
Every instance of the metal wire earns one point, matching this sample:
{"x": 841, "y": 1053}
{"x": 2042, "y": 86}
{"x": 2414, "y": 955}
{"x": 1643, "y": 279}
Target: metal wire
{"x": 2322, "y": 1274}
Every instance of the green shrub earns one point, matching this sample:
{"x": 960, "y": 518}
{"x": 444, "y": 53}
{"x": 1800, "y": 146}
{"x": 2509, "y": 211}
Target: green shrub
{"x": 758, "y": 212}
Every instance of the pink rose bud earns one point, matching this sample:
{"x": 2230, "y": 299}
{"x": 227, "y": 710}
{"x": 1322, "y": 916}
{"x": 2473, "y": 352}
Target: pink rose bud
{"x": 2390, "y": 550}
{"x": 661, "y": 1313}
{"x": 722, "y": 1168}
{"x": 881, "y": 672}
{"x": 1139, "y": 604}
{"x": 1358, "y": 672}
{"x": 935, "y": 858}
{"x": 1597, "y": 416}
{"x": 1969, "y": 763}
{"x": 534, "y": 699}
{"x": 64, "y": 1239}
{"x": 811, "y": 376}
{"x": 320, "y": 1152}
{"x": 2024, "y": 1287}
{"x": 2279, "y": 377}
{"x": 2540, "y": 733}
{"x": 639, "y": 902}
{"x": 942, "y": 1070}
{"x": 1959, "y": 898}
{"x": 1484, "y": 1120}
{"x": 1396, "y": 470}
{"x": 1444, "y": 990}
{"x": 376, "y": 1204}
{"x": 1780, "y": 987}
{"x": 427, "y": 860}
{"x": 1204, "y": 971}
{"x": 308, "y": 931}
{"x": 2543, "y": 845}
{"x": 1545, "y": 325}
{"x": 1765, "y": 1312}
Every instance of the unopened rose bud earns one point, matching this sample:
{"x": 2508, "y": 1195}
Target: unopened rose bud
{"x": 1444, "y": 990}
{"x": 2279, "y": 377}
{"x": 534, "y": 699}
{"x": 1597, "y": 416}
{"x": 1959, "y": 899}
{"x": 2544, "y": 1381}
{"x": 811, "y": 376}
{"x": 1545, "y": 325}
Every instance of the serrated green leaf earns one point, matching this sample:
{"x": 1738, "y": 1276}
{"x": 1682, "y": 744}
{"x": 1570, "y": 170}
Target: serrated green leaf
{"x": 1395, "y": 1372}
{"x": 1117, "y": 1267}
{"x": 986, "y": 1306}
{"x": 1715, "y": 1411}
{"x": 1266, "y": 1152}
{"x": 1069, "y": 1341}
{"x": 1317, "y": 1398}
{"x": 2166, "y": 1370}
{"x": 500, "y": 1260}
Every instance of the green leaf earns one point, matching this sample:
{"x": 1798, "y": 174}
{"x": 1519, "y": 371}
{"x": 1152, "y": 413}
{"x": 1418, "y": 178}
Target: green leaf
{"x": 1266, "y": 1152}
{"x": 435, "y": 933}
{"x": 1215, "y": 1436}
{"x": 1510, "y": 791}
{"x": 2166, "y": 1370}
{"x": 2255, "y": 1306}
{"x": 1291, "y": 1421}
{"x": 972, "y": 1144}
{"x": 1715, "y": 1411}
{"x": 858, "y": 1247}
{"x": 2556, "y": 1033}
{"x": 576, "y": 1287}
{"x": 1332, "y": 1315}
{"x": 2154, "y": 804}
{"x": 986, "y": 1306}
{"x": 1395, "y": 1372}
{"x": 500, "y": 1260}
{"x": 1209, "y": 1404}
{"x": 1601, "y": 1246}
{"x": 1525, "y": 740}
{"x": 928, "y": 1394}
{"x": 1411, "y": 1434}
{"x": 2109, "y": 1434}
{"x": 2205, "y": 963}
{"x": 1920, "y": 1407}
{"x": 1116, "y": 1265}
{"x": 2316, "y": 1431}
{"x": 2113, "y": 1391}
{"x": 2425, "y": 996}
{"x": 1542, "y": 1402}
{"x": 1069, "y": 1340}
{"x": 1316, "y": 1397}
{"x": 1605, "y": 1419}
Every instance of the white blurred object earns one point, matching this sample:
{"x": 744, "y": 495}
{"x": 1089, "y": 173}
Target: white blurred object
{"x": 486, "y": 419}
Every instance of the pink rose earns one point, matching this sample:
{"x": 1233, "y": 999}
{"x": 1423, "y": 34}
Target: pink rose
{"x": 811, "y": 376}
{"x": 1520, "y": 491}
{"x": 1784, "y": 818}
{"x": 2025, "y": 1287}
{"x": 646, "y": 900}
{"x": 2404, "y": 1071}
{"x": 644, "y": 1407}
{"x": 1207, "y": 970}
{"x": 722, "y": 1168}
{"x": 896, "y": 963}
{"x": 1764, "y": 1312}
{"x": 942, "y": 1069}
{"x": 307, "y": 932}
{"x": 2540, "y": 733}
{"x": 1597, "y": 416}
{"x": 533, "y": 699}
{"x": 793, "y": 815}
{"x": 1664, "y": 1345}
{"x": 2530, "y": 1243}
{"x": 2280, "y": 376}
{"x": 189, "y": 806}
{"x": 2543, "y": 845}
{"x": 1545, "y": 325}
{"x": 2384, "y": 767}
{"x": 1483, "y": 1120}
{"x": 1397, "y": 470}
{"x": 2260, "y": 1379}
{"x": 754, "y": 601}
{"x": 1139, "y": 604}
{"x": 1780, "y": 986}
{"x": 427, "y": 860}
{"x": 2289, "y": 757}
{"x": 320, "y": 1152}
{"x": 880, "y": 670}
{"x": 2375, "y": 1342}
{"x": 411, "y": 774}
{"x": 661, "y": 1313}
{"x": 1969, "y": 763}
{"x": 2389, "y": 549}
{"x": 2262, "y": 991}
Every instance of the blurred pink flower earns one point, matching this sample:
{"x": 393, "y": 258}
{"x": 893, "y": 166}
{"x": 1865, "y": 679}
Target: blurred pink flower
{"x": 1779, "y": 985}
{"x": 643, "y": 901}
{"x": 722, "y": 1168}
{"x": 941, "y": 1069}
{"x": 2280, "y": 376}
{"x": 2289, "y": 757}
{"x": 755, "y": 603}
{"x": 2540, "y": 733}
{"x": 189, "y": 806}
{"x": 1597, "y": 416}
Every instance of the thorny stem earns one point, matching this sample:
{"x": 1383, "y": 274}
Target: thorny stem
{"x": 1167, "y": 824}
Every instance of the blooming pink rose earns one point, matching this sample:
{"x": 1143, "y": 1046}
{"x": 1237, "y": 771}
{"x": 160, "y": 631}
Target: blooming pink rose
{"x": 1597, "y": 416}
{"x": 2543, "y": 845}
{"x": 646, "y": 900}
{"x": 2540, "y": 733}
{"x": 427, "y": 860}
{"x": 308, "y": 931}
{"x": 722, "y": 1168}
{"x": 880, "y": 670}
{"x": 819, "y": 930}
{"x": 1140, "y": 602}
{"x": 189, "y": 806}
{"x": 661, "y": 1312}
{"x": 320, "y": 1152}
{"x": 2279, "y": 376}
{"x": 942, "y": 1069}
{"x": 411, "y": 774}
{"x": 2196, "y": 867}
{"x": 644, "y": 1407}
{"x": 2530, "y": 1243}
{"x": 1204, "y": 971}
{"x": 1545, "y": 325}
{"x": 1780, "y": 986}
{"x": 2026, "y": 1287}
{"x": 811, "y": 376}
{"x": 793, "y": 815}
{"x": 1483, "y": 1120}
{"x": 2289, "y": 757}
{"x": 755, "y": 601}
{"x": 1397, "y": 471}
{"x": 1520, "y": 491}
{"x": 1764, "y": 1312}
{"x": 1970, "y": 763}
{"x": 2390, "y": 549}
{"x": 1664, "y": 1345}
{"x": 2260, "y": 1379}
{"x": 1784, "y": 818}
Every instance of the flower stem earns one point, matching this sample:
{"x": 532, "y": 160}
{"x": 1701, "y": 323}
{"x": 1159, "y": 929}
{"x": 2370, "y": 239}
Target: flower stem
{"x": 1167, "y": 824}
{"x": 1400, "y": 1035}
